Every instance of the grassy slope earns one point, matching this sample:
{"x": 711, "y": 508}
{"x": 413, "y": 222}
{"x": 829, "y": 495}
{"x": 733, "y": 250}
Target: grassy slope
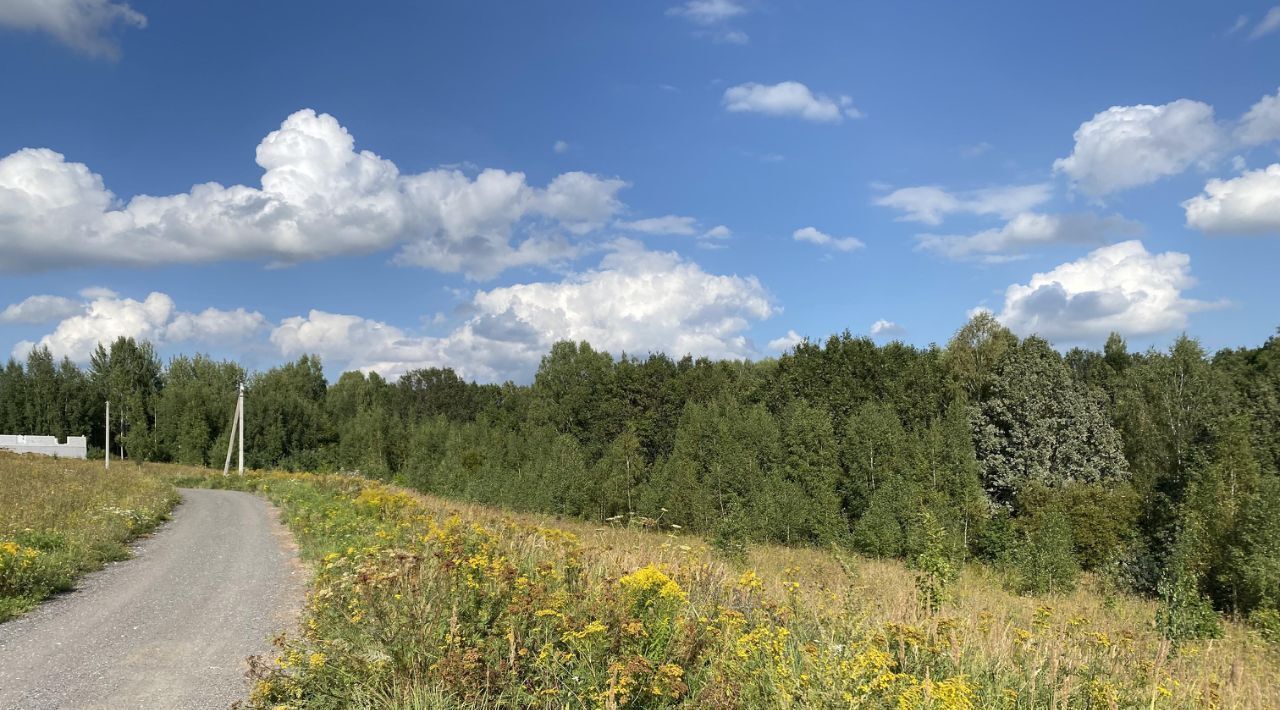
{"x": 60, "y": 518}
{"x": 422, "y": 602}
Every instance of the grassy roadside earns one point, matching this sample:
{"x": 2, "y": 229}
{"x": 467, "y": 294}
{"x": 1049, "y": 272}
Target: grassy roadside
{"x": 423, "y": 603}
{"x": 60, "y": 518}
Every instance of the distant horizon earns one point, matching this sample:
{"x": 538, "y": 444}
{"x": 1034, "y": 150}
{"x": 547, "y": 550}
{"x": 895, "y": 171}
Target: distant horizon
{"x": 332, "y": 375}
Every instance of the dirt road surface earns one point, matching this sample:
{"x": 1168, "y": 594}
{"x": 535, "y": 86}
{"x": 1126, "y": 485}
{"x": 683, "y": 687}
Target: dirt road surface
{"x": 171, "y": 628}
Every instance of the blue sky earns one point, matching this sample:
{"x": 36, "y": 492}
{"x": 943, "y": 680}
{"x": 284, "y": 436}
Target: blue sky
{"x": 407, "y": 184}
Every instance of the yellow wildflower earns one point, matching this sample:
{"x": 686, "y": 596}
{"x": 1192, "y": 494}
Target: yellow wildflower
{"x": 649, "y": 582}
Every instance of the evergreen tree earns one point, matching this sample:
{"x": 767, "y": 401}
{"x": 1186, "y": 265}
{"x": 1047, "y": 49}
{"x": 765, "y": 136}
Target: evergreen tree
{"x": 876, "y": 450}
{"x": 809, "y": 475}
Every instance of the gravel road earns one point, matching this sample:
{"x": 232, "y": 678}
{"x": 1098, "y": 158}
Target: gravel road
{"x": 171, "y": 628}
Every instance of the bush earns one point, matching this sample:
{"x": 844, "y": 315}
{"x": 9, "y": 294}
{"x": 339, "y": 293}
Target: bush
{"x": 1101, "y": 518}
{"x": 1044, "y": 560}
{"x": 731, "y": 538}
{"x": 997, "y": 539}
{"x": 936, "y": 573}
{"x": 1184, "y": 613}
{"x": 1267, "y": 623}
{"x": 879, "y": 532}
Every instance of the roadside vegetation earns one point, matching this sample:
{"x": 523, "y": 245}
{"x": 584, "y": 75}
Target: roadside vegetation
{"x": 60, "y": 518}
{"x": 419, "y": 602}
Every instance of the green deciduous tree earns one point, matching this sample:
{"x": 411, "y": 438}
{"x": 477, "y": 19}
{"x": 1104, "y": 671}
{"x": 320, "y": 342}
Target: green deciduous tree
{"x": 1037, "y": 426}
{"x": 128, "y": 373}
{"x": 193, "y": 411}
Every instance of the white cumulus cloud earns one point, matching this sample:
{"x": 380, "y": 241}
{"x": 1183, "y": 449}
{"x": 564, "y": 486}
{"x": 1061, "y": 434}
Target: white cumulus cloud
{"x": 1248, "y": 204}
{"x": 931, "y": 203}
{"x": 1127, "y": 146}
{"x": 785, "y": 342}
{"x": 887, "y": 329}
{"x": 40, "y": 309}
{"x": 1121, "y": 287}
{"x": 319, "y": 197}
{"x": 813, "y": 236}
{"x": 1027, "y": 230}
{"x": 155, "y": 318}
{"x": 635, "y": 301}
{"x": 213, "y": 326}
{"x": 86, "y": 25}
{"x": 789, "y": 98}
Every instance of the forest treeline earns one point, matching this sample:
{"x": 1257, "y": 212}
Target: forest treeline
{"x": 1158, "y": 469}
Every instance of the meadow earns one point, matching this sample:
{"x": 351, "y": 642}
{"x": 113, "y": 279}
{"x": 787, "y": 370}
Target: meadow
{"x": 419, "y": 602}
{"x": 60, "y": 518}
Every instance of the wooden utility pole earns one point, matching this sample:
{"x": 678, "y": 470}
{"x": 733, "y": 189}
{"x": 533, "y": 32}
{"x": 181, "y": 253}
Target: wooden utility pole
{"x": 106, "y": 440}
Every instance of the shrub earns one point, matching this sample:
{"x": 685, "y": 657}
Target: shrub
{"x": 1267, "y": 624}
{"x": 935, "y": 570}
{"x": 1044, "y": 561}
{"x": 731, "y": 538}
{"x": 1184, "y": 613}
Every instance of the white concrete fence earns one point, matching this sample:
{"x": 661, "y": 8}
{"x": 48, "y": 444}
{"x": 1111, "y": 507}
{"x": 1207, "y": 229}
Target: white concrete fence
{"x": 75, "y": 447}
